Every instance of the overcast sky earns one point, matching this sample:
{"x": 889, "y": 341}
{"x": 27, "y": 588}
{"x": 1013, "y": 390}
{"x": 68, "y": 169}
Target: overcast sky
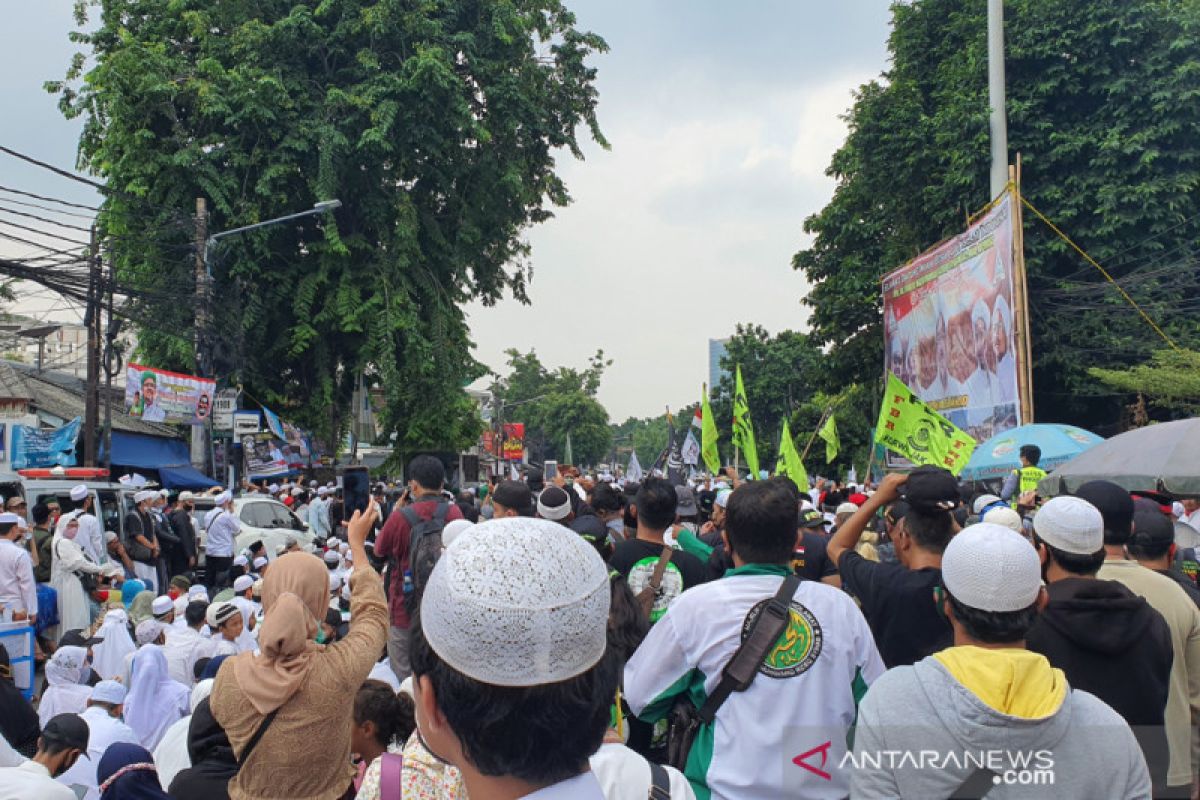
{"x": 722, "y": 119}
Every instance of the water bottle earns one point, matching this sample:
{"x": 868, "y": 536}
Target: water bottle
{"x": 408, "y": 582}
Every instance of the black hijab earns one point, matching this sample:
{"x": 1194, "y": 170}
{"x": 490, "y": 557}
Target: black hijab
{"x": 213, "y": 762}
{"x": 18, "y": 720}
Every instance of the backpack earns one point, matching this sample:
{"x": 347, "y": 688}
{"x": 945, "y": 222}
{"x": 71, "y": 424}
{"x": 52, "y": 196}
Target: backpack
{"x": 424, "y": 549}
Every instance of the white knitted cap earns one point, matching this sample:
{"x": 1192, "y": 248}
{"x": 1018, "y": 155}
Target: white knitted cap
{"x": 518, "y": 602}
{"x": 992, "y": 568}
{"x": 79, "y": 492}
{"x": 983, "y": 501}
{"x": 148, "y": 630}
{"x": 1070, "y": 524}
{"x": 242, "y": 583}
{"x": 454, "y": 529}
{"x": 1003, "y": 515}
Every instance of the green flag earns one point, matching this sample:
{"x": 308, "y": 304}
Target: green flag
{"x": 708, "y": 436}
{"x": 909, "y": 427}
{"x": 743, "y": 428}
{"x": 829, "y": 433}
{"x": 789, "y": 463}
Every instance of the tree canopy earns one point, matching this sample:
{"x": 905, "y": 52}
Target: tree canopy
{"x": 555, "y": 403}
{"x": 1171, "y": 380}
{"x": 435, "y": 123}
{"x": 1102, "y": 107}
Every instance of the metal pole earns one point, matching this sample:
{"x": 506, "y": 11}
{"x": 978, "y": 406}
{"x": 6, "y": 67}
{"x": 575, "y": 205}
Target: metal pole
{"x": 996, "y": 99}
{"x": 199, "y": 452}
{"x": 109, "y": 365}
{"x": 91, "y": 413}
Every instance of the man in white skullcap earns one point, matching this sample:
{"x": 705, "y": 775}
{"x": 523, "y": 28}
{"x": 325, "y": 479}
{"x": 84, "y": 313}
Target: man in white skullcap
{"x": 243, "y": 598}
{"x": 185, "y": 645}
{"x": 226, "y": 623}
{"x": 139, "y": 529}
{"x": 988, "y": 693}
{"x": 260, "y": 566}
{"x": 150, "y": 631}
{"x": 90, "y": 537}
{"x": 1098, "y": 631}
{"x": 222, "y": 535}
{"x": 18, "y": 590}
{"x": 163, "y": 609}
{"x": 513, "y": 619}
{"x": 105, "y": 728}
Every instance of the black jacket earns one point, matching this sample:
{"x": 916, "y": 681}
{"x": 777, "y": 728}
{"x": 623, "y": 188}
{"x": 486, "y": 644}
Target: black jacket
{"x": 1111, "y": 643}
{"x": 213, "y": 762}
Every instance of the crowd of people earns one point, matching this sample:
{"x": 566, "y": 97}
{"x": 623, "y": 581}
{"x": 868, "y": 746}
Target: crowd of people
{"x": 590, "y": 637}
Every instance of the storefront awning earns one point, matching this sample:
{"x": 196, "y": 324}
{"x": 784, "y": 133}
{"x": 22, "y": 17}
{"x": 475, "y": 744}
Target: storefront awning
{"x": 170, "y": 457}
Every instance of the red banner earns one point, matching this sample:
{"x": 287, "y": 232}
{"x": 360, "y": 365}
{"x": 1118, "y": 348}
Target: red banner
{"x": 514, "y": 441}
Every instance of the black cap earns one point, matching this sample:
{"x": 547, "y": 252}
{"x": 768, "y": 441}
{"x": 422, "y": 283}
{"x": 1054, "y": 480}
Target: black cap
{"x": 75, "y": 638}
{"x": 931, "y": 489}
{"x": 1114, "y": 504}
{"x": 812, "y": 519}
{"x": 1152, "y": 528}
{"x": 67, "y": 731}
{"x": 514, "y": 495}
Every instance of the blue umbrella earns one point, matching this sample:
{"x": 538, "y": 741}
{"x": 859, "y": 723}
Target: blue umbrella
{"x": 999, "y": 455}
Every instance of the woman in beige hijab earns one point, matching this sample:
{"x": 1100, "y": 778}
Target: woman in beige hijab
{"x": 296, "y": 696}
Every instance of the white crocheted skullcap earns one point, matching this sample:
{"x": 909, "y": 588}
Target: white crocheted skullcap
{"x": 992, "y": 568}
{"x": 454, "y": 529}
{"x": 1070, "y": 524}
{"x": 518, "y": 602}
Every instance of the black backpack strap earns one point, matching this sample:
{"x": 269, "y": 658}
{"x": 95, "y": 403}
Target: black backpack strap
{"x": 744, "y": 664}
{"x": 258, "y": 734}
{"x": 660, "y": 783}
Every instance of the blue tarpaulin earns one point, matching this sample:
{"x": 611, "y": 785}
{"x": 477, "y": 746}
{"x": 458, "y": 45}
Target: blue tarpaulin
{"x": 170, "y": 457}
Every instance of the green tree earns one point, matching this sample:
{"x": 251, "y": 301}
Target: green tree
{"x": 780, "y": 372}
{"x": 1102, "y": 107}
{"x": 1171, "y": 380}
{"x": 554, "y": 404}
{"x": 436, "y": 124}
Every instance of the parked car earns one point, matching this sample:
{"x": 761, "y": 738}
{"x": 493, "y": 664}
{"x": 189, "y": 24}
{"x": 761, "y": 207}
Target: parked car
{"x": 263, "y": 519}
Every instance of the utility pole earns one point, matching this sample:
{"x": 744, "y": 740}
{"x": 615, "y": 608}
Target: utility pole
{"x": 91, "y": 413}
{"x": 996, "y": 98}
{"x": 199, "y": 449}
{"x": 110, "y": 365}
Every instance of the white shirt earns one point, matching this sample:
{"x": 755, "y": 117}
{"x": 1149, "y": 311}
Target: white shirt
{"x": 31, "y": 780}
{"x": 183, "y": 648}
{"x": 8, "y": 756}
{"x": 581, "y": 787}
{"x": 17, "y": 587}
{"x": 222, "y": 532}
{"x": 318, "y": 518}
{"x": 808, "y": 685}
{"x": 625, "y": 775}
{"x": 248, "y": 640}
{"x": 103, "y": 731}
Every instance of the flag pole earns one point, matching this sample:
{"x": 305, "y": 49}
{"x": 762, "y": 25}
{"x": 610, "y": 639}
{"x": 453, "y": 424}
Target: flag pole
{"x": 824, "y": 416}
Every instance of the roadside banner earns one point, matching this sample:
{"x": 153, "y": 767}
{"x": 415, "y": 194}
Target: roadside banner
{"x": 155, "y": 395}
{"x": 948, "y": 326}
{"x": 35, "y": 447}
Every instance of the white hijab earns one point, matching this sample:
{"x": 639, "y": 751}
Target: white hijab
{"x": 109, "y": 661}
{"x": 155, "y": 700}
{"x": 171, "y": 756}
{"x": 65, "y": 691}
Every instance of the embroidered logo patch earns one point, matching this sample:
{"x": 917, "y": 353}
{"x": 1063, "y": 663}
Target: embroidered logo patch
{"x": 798, "y": 647}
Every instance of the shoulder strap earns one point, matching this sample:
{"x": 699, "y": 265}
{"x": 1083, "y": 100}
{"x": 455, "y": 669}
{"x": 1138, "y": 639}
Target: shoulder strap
{"x": 258, "y": 734}
{"x": 660, "y": 783}
{"x": 744, "y": 664}
{"x": 439, "y": 513}
{"x": 660, "y": 569}
{"x": 390, "y": 767}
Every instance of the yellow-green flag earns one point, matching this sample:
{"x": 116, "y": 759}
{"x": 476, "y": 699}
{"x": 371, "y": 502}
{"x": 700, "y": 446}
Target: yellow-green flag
{"x": 743, "y": 428}
{"x": 829, "y": 433}
{"x": 708, "y": 436}
{"x": 789, "y": 463}
{"x": 909, "y": 427}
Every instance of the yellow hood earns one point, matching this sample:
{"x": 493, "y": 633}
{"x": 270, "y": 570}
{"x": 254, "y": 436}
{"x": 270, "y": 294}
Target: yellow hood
{"x": 1013, "y": 681}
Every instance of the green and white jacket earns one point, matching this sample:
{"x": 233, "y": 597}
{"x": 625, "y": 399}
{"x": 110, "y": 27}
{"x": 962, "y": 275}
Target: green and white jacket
{"x": 785, "y": 735}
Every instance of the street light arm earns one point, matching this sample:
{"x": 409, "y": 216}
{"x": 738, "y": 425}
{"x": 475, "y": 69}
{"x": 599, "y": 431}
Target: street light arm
{"x": 323, "y": 207}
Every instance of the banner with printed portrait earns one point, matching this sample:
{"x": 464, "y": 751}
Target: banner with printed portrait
{"x": 266, "y": 456}
{"x": 948, "y": 322}
{"x": 155, "y": 395}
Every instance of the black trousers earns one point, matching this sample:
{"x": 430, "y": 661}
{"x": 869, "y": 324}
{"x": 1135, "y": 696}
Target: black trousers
{"x": 216, "y": 568}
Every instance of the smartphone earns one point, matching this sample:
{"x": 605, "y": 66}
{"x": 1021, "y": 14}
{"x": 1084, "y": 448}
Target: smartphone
{"x": 550, "y": 470}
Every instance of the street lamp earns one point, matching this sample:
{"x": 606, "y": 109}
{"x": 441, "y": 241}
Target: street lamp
{"x": 323, "y": 207}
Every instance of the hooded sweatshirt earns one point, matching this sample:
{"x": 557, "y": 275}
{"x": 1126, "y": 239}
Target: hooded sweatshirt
{"x": 1109, "y": 642}
{"x": 971, "y": 720}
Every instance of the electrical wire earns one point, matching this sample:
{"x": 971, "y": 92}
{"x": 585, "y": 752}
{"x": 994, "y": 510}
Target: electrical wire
{"x": 43, "y": 198}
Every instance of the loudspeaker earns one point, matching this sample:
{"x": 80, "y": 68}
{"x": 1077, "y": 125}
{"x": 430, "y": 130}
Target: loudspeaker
{"x": 356, "y": 489}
